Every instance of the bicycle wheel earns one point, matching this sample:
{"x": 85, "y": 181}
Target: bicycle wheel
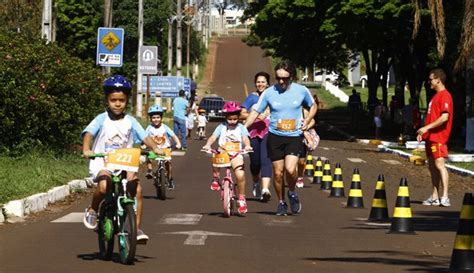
{"x": 105, "y": 231}
{"x": 127, "y": 235}
{"x": 161, "y": 184}
{"x": 227, "y": 200}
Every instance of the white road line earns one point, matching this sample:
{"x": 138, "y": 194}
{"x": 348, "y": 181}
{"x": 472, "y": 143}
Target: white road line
{"x": 198, "y": 237}
{"x": 379, "y": 224}
{"x": 74, "y": 217}
{"x": 178, "y": 153}
{"x": 356, "y": 160}
{"x": 391, "y": 161}
{"x": 181, "y": 219}
{"x": 276, "y": 220}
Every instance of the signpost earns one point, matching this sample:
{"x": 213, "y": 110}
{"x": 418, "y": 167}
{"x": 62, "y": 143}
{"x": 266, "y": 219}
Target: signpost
{"x": 148, "y": 64}
{"x": 110, "y": 47}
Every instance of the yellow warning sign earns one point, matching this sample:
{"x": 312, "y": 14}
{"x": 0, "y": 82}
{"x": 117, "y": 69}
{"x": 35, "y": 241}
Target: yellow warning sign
{"x": 110, "y": 41}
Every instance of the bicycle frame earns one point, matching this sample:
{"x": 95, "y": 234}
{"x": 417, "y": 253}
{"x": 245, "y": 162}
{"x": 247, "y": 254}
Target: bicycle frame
{"x": 161, "y": 181}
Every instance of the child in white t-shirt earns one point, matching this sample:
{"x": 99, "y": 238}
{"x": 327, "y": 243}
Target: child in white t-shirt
{"x": 201, "y": 124}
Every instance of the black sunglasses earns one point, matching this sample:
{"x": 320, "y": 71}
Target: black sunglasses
{"x": 282, "y": 78}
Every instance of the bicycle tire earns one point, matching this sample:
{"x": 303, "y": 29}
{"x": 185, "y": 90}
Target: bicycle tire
{"x": 226, "y": 201}
{"x": 127, "y": 235}
{"x": 161, "y": 185}
{"x": 105, "y": 231}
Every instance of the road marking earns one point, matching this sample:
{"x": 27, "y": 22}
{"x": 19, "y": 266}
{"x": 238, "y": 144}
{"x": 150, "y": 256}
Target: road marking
{"x": 356, "y": 160}
{"x": 379, "y": 224}
{"x": 391, "y": 161}
{"x": 181, "y": 219}
{"x": 198, "y": 237}
{"x": 325, "y": 148}
{"x": 178, "y": 153}
{"x": 74, "y": 217}
{"x": 271, "y": 220}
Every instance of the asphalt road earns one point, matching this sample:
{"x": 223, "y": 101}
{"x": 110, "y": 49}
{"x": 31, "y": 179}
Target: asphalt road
{"x": 188, "y": 233}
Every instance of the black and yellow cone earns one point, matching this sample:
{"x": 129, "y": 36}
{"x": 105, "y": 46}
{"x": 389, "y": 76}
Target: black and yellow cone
{"x": 462, "y": 259}
{"x": 318, "y": 173}
{"x": 309, "y": 167}
{"x": 337, "y": 188}
{"x": 327, "y": 178}
{"x": 355, "y": 199}
{"x": 402, "y": 219}
{"x": 379, "y": 210}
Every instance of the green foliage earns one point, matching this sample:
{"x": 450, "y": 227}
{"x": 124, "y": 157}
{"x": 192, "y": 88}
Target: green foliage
{"x": 21, "y": 16}
{"x": 46, "y": 96}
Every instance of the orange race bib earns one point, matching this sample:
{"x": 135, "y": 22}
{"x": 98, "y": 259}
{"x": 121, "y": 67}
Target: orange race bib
{"x": 124, "y": 159}
{"x": 286, "y": 124}
{"x": 220, "y": 160}
{"x": 231, "y": 146}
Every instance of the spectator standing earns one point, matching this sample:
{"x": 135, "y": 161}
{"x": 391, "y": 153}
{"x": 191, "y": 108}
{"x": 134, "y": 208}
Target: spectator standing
{"x": 355, "y": 104}
{"x": 436, "y": 131}
{"x": 180, "y": 108}
{"x": 378, "y": 115}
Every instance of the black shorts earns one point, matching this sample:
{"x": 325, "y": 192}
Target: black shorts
{"x": 280, "y": 146}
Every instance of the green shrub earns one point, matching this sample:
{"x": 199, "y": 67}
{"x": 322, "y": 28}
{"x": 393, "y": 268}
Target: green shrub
{"x": 46, "y": 96}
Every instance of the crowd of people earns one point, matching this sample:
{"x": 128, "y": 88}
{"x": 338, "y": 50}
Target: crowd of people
{"x": 275, "y": 122}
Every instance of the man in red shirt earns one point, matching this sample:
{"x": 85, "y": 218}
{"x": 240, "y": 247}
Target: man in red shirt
{"x": 436, "y": 132}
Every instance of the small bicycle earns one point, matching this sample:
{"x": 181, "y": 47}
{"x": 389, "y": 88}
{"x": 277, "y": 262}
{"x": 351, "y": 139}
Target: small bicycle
{"x": 221, "y": 159}
{"x": 116, "y": 215}
{"x": 160, "y": 175}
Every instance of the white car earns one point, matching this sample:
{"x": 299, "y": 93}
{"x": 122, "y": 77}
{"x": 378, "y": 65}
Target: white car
{"x": 330, "y": 77}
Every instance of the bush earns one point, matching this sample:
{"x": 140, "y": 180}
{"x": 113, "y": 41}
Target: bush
{"x": 46, "y": 96}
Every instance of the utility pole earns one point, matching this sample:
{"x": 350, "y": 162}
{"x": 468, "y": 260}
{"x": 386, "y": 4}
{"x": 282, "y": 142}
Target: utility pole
{"x": 189, "y": 20}
{"x": 178, "y": 38}
{"x": 170, "y": 45}
{"x": 46, "y": 25}
{"x": 139, "y": 107}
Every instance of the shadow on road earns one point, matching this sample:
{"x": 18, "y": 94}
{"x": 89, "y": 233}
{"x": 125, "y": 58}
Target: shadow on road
{"x": 115, "y": 257}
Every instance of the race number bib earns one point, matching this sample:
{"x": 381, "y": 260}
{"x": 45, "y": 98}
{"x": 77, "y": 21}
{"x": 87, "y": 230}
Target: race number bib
{"x": 220, "y": 160}
{"x": 232, "y": 146}
{"x": 286, "y": 124}
{"x": 124, "y": 159}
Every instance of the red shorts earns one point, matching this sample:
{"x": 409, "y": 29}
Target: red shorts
{"x": 436, "y": 150}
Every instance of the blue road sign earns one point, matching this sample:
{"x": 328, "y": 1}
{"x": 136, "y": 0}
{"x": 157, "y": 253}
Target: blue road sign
{"x": 110, "y": 46}
{"x": 167, "y": 86}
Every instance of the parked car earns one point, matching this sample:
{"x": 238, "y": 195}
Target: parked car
{"x": 330, "y": 76}
{"x": 213, "y": 106}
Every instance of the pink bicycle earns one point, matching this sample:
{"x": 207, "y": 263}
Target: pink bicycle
{"x": 221, "y": 159}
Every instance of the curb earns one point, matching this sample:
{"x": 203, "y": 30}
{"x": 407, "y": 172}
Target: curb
{"x": 40, "y": 201}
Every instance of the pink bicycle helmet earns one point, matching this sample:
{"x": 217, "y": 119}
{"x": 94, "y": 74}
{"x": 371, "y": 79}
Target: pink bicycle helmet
{"x": 231, "y": 107}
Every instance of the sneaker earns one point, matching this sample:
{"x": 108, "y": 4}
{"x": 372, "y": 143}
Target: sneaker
{"x": 149, "y": 174}
{"x": 282, "y": 209}
{"x": 266, "y": 195}
{"x": 242, "y": 205}
{"x": 141, "y": 237}
{"x": 257, "y": 190}
{"x": 300, "y": 182}
{"x": 215, "y": 186}
{"x": 431, "y": 202}
{"x": 445, "y": 202}
{"x": 171, "y": 184}
{"x": 90, "y": 219}
{"x": 295, "y": 203}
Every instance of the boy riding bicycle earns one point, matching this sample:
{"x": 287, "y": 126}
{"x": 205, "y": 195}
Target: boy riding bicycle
{"x": 109, "y": 131}
{"x": 160, "y": 133}
{"x": 231, "y": 135}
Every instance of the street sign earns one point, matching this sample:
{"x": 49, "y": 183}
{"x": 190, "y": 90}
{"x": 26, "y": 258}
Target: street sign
{"x": 167, "y": 86}
{"x": 110, "y": 46}
{"x": 148, "y": 60}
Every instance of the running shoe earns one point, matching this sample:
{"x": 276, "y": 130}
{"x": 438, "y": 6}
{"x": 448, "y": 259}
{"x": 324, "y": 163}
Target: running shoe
{"x": 90, "y": 219}
{"x": 431, "y": 202}
{"x": 149, "y": 174}
{"x": 141, "y": 237}
{"x": 215, "y": 186}
{"x": 300, "y": 182}
{"x": 242, "y": 205}
{"x": 282, "y": 209}
{"x": 266, "y": 195}
{"x": 295, "y": 203}
{"x": 171, "y": 184}
{"x": 257, "y": 190}
{"x": 445, "y": 202}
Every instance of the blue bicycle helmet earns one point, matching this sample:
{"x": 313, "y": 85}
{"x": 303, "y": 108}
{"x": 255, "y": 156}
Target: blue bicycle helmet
{"x": 155, "y": 110}
{"x": 117, "y": 83}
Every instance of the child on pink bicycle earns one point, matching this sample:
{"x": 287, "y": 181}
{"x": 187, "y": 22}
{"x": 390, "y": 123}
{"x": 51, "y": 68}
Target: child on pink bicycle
{"x": 231, "y": 136}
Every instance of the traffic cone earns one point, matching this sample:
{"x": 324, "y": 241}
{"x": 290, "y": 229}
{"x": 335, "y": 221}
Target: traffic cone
{"x": 327, "y": 178}
{"x": 355, "y": 199}
{"x": 379, "y": 211}
{"x": 309, "y": 167}
{"x": 402, "y": 220}
{"x": 318, "y": 173}
{"x": 337, "y": 188}
{"x": 462, "y": 259}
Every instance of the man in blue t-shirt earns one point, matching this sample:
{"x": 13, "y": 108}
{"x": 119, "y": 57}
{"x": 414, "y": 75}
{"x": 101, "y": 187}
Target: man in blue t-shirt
{"x": 285, "y": 140}
{"x": 180, "y": 107}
